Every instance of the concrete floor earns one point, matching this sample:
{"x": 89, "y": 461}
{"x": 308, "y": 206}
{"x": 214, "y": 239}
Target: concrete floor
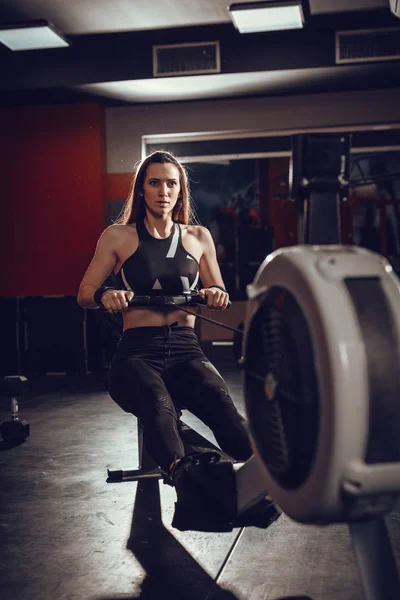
{"x": 66, "y": 534}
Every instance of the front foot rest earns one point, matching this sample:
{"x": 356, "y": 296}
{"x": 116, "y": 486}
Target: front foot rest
{"x": 205, "y": 487}
{"x": 207, "y": 499}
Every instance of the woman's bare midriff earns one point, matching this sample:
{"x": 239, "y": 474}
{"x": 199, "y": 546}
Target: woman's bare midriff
{"x": 149, "y": 317}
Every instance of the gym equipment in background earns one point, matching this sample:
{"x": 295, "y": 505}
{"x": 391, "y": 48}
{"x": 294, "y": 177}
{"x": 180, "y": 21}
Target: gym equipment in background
{"x": 319, "y": 174}
{"x": 14, "y": 430}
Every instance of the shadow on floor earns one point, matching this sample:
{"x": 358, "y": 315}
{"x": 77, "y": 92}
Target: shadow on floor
{"x": 9, "y": 445}
{"x": 171, "y": 572}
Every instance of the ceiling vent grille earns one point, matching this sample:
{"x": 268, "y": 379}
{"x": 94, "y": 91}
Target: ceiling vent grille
{"x": 186, "y": 59}
{"x": 367, "y": 45}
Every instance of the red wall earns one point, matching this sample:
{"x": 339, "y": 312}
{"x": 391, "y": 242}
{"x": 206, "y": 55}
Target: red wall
{"x": 118, "y": 185}
{"x": 52, "y": 196}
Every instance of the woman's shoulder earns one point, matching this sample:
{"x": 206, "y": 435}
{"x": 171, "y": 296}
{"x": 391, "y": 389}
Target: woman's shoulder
{"x": 201, "y": 237}
{"x": 116, "y": 234}
{"x": 119, "y": 230}
{"x": 198, "y": 231}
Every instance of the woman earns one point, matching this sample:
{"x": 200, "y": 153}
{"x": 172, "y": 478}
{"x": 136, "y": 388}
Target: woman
{"x": 159, "y": 366}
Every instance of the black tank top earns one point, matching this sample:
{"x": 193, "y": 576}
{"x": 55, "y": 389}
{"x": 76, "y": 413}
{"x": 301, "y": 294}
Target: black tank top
{"x": 159, "y": 266}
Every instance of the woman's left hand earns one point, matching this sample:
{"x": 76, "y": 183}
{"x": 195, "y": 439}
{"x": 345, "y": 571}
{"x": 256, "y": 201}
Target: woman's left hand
{"x": 216, "y": 298}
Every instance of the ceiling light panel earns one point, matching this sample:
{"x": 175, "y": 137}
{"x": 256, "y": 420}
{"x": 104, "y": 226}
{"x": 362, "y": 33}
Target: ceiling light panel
{"x": 31, "y": 37}
{"x": 266, "y": 16}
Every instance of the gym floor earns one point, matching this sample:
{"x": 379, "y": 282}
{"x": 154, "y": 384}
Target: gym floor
{"x": 67, "y": 534}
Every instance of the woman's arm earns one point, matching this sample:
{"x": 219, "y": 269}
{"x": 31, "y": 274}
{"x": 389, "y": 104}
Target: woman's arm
{"x": 210, "y": 273}
{"x": 100, "y": 267}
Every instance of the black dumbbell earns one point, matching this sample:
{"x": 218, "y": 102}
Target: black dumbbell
{"x": 14, "y": 430}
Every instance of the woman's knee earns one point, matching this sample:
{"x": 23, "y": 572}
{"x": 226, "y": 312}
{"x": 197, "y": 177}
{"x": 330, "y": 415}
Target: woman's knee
{"x": 159, "y": 412}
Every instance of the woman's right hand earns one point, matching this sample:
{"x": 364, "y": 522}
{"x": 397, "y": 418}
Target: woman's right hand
{"x": 116, "y": 301}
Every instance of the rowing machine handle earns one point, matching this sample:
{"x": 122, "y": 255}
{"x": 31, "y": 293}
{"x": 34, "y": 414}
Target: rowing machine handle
{"x": 178, "y": 300}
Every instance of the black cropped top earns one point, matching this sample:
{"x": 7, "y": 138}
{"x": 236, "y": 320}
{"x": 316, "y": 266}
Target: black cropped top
{"x": 159, "y": 266}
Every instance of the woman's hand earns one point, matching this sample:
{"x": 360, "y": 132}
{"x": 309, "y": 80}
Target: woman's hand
{"x": 216, "y": 298}
{"x": 116, "y": 301}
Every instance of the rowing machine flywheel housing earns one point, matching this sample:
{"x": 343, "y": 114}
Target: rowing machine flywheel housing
{"x": 322, "y": 381}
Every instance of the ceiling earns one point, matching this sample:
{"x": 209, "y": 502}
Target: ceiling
{"x": 110, "y": 57}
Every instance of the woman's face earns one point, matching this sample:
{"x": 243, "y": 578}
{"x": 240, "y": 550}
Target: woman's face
{"x": 161, "y": 188}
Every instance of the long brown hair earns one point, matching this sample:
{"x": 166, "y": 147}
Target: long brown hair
{"x": 134, "y": 208}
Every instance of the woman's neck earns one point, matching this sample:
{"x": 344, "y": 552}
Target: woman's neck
{"x": 158, "y": 227}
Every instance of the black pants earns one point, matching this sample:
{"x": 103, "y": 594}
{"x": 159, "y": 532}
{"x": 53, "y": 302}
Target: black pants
{"x": 157, "y": 371}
